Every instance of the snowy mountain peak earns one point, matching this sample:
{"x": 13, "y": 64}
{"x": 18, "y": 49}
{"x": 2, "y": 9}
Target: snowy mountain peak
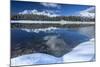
{"x": 46, "y": 12}
{"x": 90, "y": 12}
{"x": 25, "y": 12}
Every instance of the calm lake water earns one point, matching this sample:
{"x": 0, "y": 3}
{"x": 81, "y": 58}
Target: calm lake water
{"x": 34, "y": 39}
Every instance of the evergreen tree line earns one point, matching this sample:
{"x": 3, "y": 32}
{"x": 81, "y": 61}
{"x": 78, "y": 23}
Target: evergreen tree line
{"x": 47, "y": 18}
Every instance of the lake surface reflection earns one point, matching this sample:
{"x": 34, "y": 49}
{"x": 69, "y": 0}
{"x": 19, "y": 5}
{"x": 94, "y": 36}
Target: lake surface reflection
{"x": 53, "y": 41}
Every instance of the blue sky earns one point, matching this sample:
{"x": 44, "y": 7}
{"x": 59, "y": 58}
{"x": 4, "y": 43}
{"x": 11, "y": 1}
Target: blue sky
{"x": 61, "y": 9}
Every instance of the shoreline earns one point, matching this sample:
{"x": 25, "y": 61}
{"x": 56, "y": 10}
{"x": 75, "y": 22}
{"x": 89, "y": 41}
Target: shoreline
{"x": 52, "y": 22}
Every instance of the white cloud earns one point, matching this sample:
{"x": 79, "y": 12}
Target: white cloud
{"x": 50, "y": 5}
{"x": 49, "y": 13}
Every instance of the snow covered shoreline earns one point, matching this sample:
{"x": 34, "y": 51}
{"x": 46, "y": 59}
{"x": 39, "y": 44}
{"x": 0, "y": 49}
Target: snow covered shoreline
{"x": 53, "y": 22}
{"x": 83, "y": 52}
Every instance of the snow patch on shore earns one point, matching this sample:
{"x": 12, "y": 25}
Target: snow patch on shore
{"x": 36, "y": 58}
{"x": 83, "y": 52}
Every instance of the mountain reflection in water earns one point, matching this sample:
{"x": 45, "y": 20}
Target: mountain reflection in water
{"x": 53, "y": 41}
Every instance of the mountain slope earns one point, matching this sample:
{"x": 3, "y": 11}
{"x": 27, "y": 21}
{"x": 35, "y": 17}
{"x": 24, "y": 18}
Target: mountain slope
{"x": 90, "y": 12}
{"x": 34, "y": 11}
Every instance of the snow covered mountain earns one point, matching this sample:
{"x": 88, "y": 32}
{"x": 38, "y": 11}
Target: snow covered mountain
{"x": 90, "y": 12}
{"x": 34, "y": 11}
